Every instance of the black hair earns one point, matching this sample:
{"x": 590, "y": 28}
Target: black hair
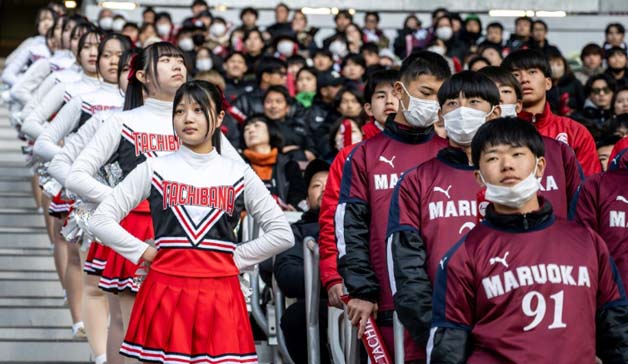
{"x": 607, "y": 140}
{"x": 387, "y": 77}
{"x": 336, "y": 125}
{"x": 81, "y": 43}
{"x": 474, "y": 18}
{"x": 506, "y": 131}
{"x": 275, "y": 139}
{"x": 310, "y": 70}
{"x": 277, "y": 89}
{"x": 269, "y": 65}
{"x": 355, "y": 58}
{"x": 619, "y": 26}
{"x": 371, "y": 13}
{"x": 249, "y": 10}
{"x": 423, "y": 62}
{"x": 163, "y": 15}
{"x": 610, "y": 82}
{"x": 149, "y": 9}
{"x": 502, "y": 77}
{"x": 322, "y": 52}
{"x": 199, "y": 2}
{"x": 615, "y": 50}
{"x": 40, "y": 11}
{"x": 235, "y": 53}
{"x": 411, "y": 16}
{"x": 619, "y": 121}
{"x": 345, "y": 13}
{"x": 125, "y": 43}
{"x": 470, "y": 84}
{"x": 525, "y": 59}
{"x": 477, "y": 59}
{"x": 539, "y": 21}
{"x": 296, "y": 59}
{"x": 524, "y": 18}
{"x": 350, "y": 89}
{"x": 369, "y": 47}
{"x": 248, "y": 33}
{"x": 495, "y": 25}
{"x": 209, "y": 97}
{"x": 439, "y": 10}
{"x": 282, "y": 5}
{"x": 615, "y": 94}
{"x": 591, "y": 48}
{"x": 132, "y": 25}
{"x": 147, "y": 62}
{"x": 125, "y": 59}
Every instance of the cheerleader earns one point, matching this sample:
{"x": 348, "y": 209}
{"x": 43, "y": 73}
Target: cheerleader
{"x": 127, "y": 139}
{"x": 190, "y": 307}
{"x": 33, "y": 49}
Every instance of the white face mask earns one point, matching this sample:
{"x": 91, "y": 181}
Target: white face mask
{"x": 462, "y": 123}
{"x": 420, "y": 113}
{"x": 106, "y": 23}
{"x": 515, "y": 196}
{"x": 217, "y": 29}
{"x": 163, "y": 29}
{"x": 437, "y": 49}
{"x": 444, "y": 33}
{"x": 186, "y": 44}
{"x": 338, "y": 48}
{"x": 118, "y": 25}
{"x": 204, "y": 64}
{"x": 508, "y": 110}
{"x": 285, "y": 48}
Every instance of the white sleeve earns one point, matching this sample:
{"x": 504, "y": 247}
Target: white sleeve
{"x": 23, "y": 90}
{"x": 100, "y": 148}
{"x": 47, "y": 144}
{"x": 43, "y": 89}
{"x": 23, "y": 47}
{"x": 36, "y": 119}
{"x": 12, "y": 70}
{"x": 227, "y": 150}
{"x": 61, "y": 164}
{"x": 104, "y": 223}
{"x": 265, "y": 211}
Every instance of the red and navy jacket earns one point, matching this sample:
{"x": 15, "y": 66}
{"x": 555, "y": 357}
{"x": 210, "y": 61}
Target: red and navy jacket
{"x": 569, "y": 132}
{"x": 603, "y": 207}
{"x": 528, "y": 288}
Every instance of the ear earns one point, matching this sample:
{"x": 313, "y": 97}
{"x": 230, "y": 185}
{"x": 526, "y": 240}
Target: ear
{"x": 398, "y": 90}
{"x": 141, "y": 76}
{"x": 219, "y": 120}
{"x": 540, "y": 168}
{"x": 478, "y": 178}
{"x": 497, "y": 112}
{"x": 368, "y": 109}
{"x": 548, "y": 83}
{"x": 519, "y": 106}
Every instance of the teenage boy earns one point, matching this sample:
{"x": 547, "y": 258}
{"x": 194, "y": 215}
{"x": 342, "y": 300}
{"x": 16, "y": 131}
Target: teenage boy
{"x": 434, "y": 204}
{"x": 369, "y": 177}
{"x": 563, "y": 175}
{"x": 525, "y": 286}
{"x": 533, "y": 73}
{"x": 381, "y": 102}
{"x": 603, "y": 207}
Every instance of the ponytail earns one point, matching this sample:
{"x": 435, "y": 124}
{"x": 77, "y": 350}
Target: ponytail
{"x": 134, "y": 95}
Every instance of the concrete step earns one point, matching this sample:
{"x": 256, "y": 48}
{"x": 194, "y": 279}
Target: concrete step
{"x": 14, "y": 157}
{"x": 17, "y": 263}
{"x": 35, "y": 317}
{"x": 17, "y": 199}
{"x": 15, "y": 186}
{"x": 25, "y": 240}
{"x": 21, "y": 217}
{"x": 31, "y": 302}
{"x": 29, "y": 276}
{"x": 25, "y": 251}
{"x": 15, "y": 169}
{"x": 36, "y": 334}
{"x": 30, "y": 289}
{"x": 49, "y": 352}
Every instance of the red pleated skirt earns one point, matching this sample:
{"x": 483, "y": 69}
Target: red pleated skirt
{"x": 119, "y": 273}
{"x": 96, "y": 259}
{"x": 189, "y": 320}
{"x": 59, "y": 207}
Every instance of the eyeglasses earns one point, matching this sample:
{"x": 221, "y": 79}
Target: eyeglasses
{"x": 600, "y": 90}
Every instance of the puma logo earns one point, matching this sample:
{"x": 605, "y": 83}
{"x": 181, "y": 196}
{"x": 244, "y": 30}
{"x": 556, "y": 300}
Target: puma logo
{"x": 445, "y": 192}
{"x": 389, "y": 162}
{"x": 499, "y": 259}
{"x": 469, "y": 225}
{"x": 621, "y": 198}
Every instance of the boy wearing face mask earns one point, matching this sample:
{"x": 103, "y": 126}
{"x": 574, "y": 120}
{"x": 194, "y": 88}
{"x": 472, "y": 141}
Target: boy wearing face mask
{"x": 369, "y": 177}
{"x": 524, "y": 285}
{"x": 563, "y": 174}
{"x": 434, "y": 204}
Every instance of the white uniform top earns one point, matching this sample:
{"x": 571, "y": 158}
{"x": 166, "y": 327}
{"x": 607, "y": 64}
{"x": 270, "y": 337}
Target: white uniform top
{"x": 71, "y": 74}
{"x": 38, "y": 49}
{"x": 60, "y": 93}
{"x": 22, "y": 90}
{"x": 154, "y": 118}
{"x": 68, "y": 119}
{"x": 203, "y": 171}
{"x": 23, "y": 47}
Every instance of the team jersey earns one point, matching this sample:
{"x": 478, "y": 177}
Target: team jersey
{"x": 603, "y": 207}
{"x": 526, "y": 289}
{"x": 195, "y": 203}
{"x": 74, "y": 114}
{"x": 35, "y": 50}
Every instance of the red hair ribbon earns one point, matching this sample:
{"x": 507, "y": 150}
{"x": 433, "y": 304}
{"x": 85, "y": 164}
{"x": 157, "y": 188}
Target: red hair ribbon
{"x": 132, "y": 67}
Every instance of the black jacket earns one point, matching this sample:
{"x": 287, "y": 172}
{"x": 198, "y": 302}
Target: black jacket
{"x": 234, "y": 88}
{"x": 318, "y": 124}
{"x": 288, "y": 268}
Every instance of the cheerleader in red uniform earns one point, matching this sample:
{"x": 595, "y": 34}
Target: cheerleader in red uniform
{"x": 190, "y": 308}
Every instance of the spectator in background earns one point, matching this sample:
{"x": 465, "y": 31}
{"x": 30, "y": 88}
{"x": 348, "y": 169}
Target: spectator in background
{"x": 323, "y": 60}
{"x": 254, "y": 48}
{"x": 570, "y": 92}
{"x": 596, "y": 112}
{"x": 282, "y": 23}
{"x": 318, "y": 117}
{"x": 371, "y": 30}
{"x": 148, "y": 34}
{"x": 521, "y": 38}
{"x": 591, "y": 57}
{"x": 353, "y": 69}
{"x": 304, "y": 34}
{"x": 617, "y": 63}
{"x": 149, "y": 15}
{"x": 446, "y": 44}
{"x": 205, "y": 60}
{"x": 306, "y": 86}
{"x": 604, "y": 149}
{"x": 290, "y": 275}
{"x": 105, "y": 19}
{"x": 165, "y": 28}
{"x": 345, "y": 132}
{"x": 218, "y": 38}
{"x": 370, "y": 52}
{"x": 132, "y": 31}
{"x": 354, "y": 37}
{"x": 472, "y": 32}
{"x": 342, "y": 20}
{"x": 614, "y": 36}
{"x": 248, "y": 17}
{"x": 477, "y": 63}
{"x": 235, "y": 69}
{"x": 492, "y": 53}
{"x": 271, "y": 72}
{"x": 619, "y": 125}
{"x": 620, "y": 101}
{"x": 404, "y": 40}
{"x": 199, "y": 6}
{"x": 539, "y": 39}
{"x": 494, "y": 37}
{"x": 282, "y": 176}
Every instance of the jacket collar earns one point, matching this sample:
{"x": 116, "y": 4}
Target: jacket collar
{"x": 454, "y": 157}
{"x": 406, "y": 134}
{"x": 521, "y": 223}
{"x": 539, "y": 120}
